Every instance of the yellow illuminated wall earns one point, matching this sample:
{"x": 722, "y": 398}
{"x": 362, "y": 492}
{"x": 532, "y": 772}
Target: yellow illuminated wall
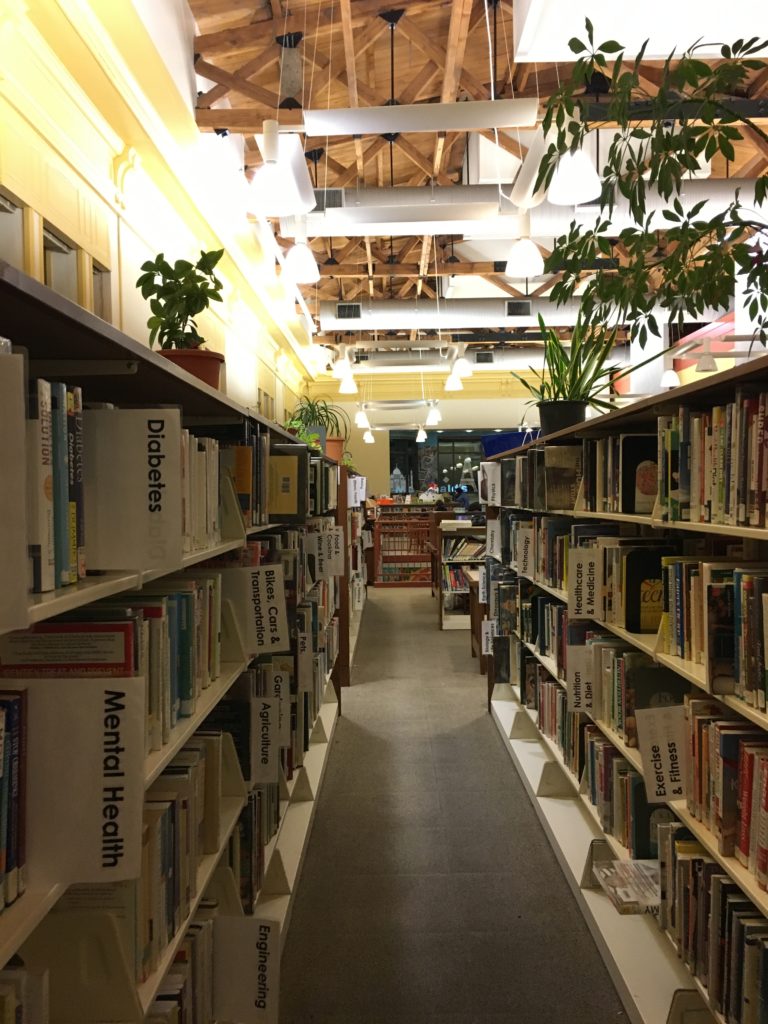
{"x": 97, "y": 145}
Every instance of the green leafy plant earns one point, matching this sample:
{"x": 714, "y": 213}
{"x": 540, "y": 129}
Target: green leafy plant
{"x": 317, "y": 412}
{"x": 348, "y": 461}
{"x": 580, "y": 372}
{"x": 307, "y": 437}
{"x": 177, "y": 294}
{"x": 697, "y": 111}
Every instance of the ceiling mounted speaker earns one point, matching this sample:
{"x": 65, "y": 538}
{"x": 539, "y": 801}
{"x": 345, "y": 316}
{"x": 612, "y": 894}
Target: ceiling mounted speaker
{"x": 472, "y": 115}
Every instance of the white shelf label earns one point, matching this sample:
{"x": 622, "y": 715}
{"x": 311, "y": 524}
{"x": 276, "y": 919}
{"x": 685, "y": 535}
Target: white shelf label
{"x": 525, "y": 551}
{"x": 578, "y": 681}
{"x": 304, "y": 662}
{"x": 258, "y": 598}
{"x": 493, "y": 538}
{"x": 489, "y": 631}
{"x": 582, "y": 583}
{"x": 482, "y": 588}
{"x": 661, "y": 735}
{"x": 246, "y": 970}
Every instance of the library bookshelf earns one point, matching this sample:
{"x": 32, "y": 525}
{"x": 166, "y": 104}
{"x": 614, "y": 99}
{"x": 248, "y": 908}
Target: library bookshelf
{"x": 651, "y": 973}
{"x": 453, "y": 585}
{"x": 62, "y": 342}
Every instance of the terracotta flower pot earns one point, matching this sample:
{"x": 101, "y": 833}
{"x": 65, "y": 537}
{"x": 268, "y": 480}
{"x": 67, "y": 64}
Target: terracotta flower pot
{"x": 201, "y": 363}
{"x": 334, "y": 448}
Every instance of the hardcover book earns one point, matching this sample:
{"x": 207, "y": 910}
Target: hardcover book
{"x": 638, "y": 473}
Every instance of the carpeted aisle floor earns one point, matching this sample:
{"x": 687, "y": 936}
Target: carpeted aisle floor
{"x": 429, "y": 894}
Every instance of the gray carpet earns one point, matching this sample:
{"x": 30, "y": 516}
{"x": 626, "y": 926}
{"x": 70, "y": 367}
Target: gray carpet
{"x": 429, "y": 894}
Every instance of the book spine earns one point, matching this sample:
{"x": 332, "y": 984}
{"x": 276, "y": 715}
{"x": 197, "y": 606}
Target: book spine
{"x": 71, "y": 496}
{"x": 60, "y": 482}
{"x": 40, "y": 488}
{"x": 77, "y": 396}
{"x": 746, "y": 767}
{"x": 762, "y": 828}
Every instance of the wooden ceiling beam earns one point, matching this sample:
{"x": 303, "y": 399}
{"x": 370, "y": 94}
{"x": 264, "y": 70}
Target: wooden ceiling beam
{"x": 352, "y": 268}
{"x": 244, "y": 37}
{"x": 435, "y": 53}
{"x": 420, "y": 81}
{"x": 420, "y": 160}
{"x": 758, "y": 85}
{"x": 259, "y": 64}
{"x": 455, "y": 49}
{"x": 246, "y": 120}
{"x": 505, "y": 286}
{"x": 237, "y": 83}
{"x": 426, "y": 249}
{"x": 545, "y": 287}
{"x": 368, "y": 154}
{"x": 508, "y": 144}
{"x": 369, "y": 262}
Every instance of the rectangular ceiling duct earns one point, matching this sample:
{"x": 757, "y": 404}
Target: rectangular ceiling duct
{"x": 447, "y": 315}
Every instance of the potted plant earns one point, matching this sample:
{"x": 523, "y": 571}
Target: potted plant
{"x": 328, "y": 421}
{"x": 348, "y": 461}
{"x": 694, "y": 110}
{"x": 303, "y": 434}
{"x": 575, "y": 377}
{"x": 177, "y": 294}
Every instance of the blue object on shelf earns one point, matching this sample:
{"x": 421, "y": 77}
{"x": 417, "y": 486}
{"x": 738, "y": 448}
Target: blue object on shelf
{"x": 494, "y": 444}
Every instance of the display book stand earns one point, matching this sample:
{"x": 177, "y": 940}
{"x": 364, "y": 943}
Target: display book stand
{"x": 652, "y": 982}
{"x": 90, "y": 979}
{"x": 448, "y": 618}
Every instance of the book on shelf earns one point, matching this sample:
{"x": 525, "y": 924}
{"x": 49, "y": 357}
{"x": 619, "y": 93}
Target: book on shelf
{"x": 288, "y": 483}
{"x": 489, "y": 483}
{"x": 60, "y": 482}
{"x": 632, "y": 886}
{"x": 562, "y": 475}
{"x": 40, "y": 487}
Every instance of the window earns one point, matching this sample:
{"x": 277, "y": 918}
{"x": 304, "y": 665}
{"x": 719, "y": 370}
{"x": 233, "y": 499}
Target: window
{"x": 102, "y": 305}
{"x": 60, "y": 265}
{"x": 11, "y": 233}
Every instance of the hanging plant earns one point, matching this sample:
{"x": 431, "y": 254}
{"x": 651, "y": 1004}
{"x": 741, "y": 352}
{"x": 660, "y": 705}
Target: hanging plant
{"x": 695, "y": 114}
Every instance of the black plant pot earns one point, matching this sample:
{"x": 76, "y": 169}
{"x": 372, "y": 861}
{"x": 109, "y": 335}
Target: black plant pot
{"x": 558, "y": 415}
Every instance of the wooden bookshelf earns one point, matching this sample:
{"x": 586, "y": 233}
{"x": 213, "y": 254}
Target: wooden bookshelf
{"x": 449, "y": 618}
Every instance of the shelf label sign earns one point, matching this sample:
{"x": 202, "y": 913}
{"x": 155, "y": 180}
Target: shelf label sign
{"x": 661, "y": 735}
{"x": 94, "y": 807}
{"x": 493, "y": 539}
{"x": 578, "y": 679}
{"x": 265, "y": 740}
{"x": 336, "y": 550}
{"x": 489, "y": 631}
{"x": 279, "y": 675}
{"x": 482, "y": 587}
{"x": 257, "y": 594}
{"x": 246, "y": 969}
{"x": 582, "y": 583}
{"x": 304, "y": 662}
{"x": 525, "y": 551}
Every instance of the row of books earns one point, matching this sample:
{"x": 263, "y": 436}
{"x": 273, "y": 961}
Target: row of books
{"x": 454, "y": 579}
{"x": 463, "y": 547}
{"x": 186, "y": 993}
{"x": 720, "y": 934}
{"x": 714, "y": 615}
{"x": 713, "y": 465}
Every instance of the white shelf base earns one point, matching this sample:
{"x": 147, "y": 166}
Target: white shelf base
{"x": 455, "y": 621}
{"x": 284, "y": 855}
{"x": 18, "y": 921}
{"x": 632, "y": 946}
{"x": 67, "y": 599}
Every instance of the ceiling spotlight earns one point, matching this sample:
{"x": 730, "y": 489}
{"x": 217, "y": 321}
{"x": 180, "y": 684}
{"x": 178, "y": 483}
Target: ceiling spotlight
{"x": 462, "y": 367}
{"x": 347, "y": 385}
{"x": 361, "y": 419}
{"x": 524, "y": 260}
{"x": 468, "y": 430}
{"x": 706, "y": 361}
{"x": 669, "y": 379}
{"x": 421, "y": 435}
{"x": 300, "y": 261}
{"x": 453, "y": 382}
{"x": 434, "y": 416}
{"x": 368, "y": 437}
{"x": 575, "y": 180}
{"x": 341, "y": 368}
{"x": 273, "y": 191}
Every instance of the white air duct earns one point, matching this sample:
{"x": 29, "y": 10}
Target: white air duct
{"x": 448, "y": 315}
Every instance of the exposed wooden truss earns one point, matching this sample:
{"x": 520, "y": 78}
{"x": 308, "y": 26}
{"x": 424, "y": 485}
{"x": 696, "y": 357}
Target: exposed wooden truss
{"x": 440, "y": 55}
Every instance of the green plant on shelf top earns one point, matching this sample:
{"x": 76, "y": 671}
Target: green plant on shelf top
{"x": 317, "y": 412}
{"x": 580, "y": 372}
{"x": 693, "y": 111}
{"x": 177, "y": 293}
{"x": 300, "y": 431}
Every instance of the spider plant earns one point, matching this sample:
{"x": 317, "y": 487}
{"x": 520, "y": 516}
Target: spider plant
{"x": 580, "y": 372}
{"x": 317, "y": 412}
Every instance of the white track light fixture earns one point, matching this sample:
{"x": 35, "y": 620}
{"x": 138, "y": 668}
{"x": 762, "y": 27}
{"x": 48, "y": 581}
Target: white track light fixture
{"x": 669, "y": 379}
{"x": 270, "y": 194}
{"x": 434, "y": 416}
{"x": 524, "y": 260}
{"x": 361, "y": 419}
{"x": 300, "y": 262}
{"x": 347, "y": 385}
{"x": 453, "y": 382}
{"x": 421, "y": 435}
{"x": 575, "y": 180}
{"x": 368, "y": 437}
